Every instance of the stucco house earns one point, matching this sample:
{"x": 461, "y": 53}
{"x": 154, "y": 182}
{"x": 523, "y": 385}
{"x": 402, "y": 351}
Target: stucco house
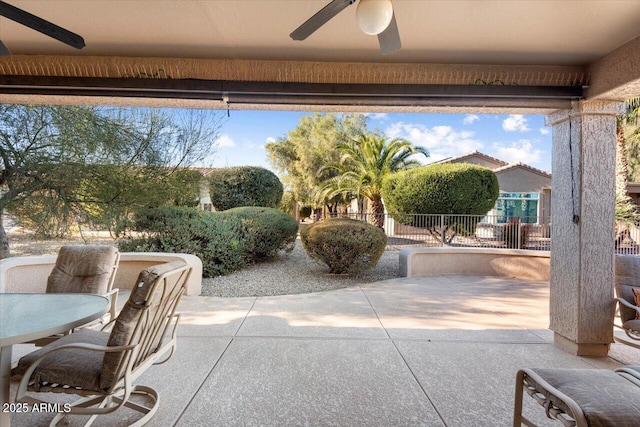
{"x": 525, "y": 191}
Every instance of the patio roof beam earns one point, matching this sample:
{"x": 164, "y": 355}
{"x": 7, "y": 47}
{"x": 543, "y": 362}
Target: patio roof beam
{"x": 287, "y": 93}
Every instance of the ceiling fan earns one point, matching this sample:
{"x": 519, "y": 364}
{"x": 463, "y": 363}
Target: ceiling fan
{"x": 34, "y": 22}
{"x": 375, "y": 17}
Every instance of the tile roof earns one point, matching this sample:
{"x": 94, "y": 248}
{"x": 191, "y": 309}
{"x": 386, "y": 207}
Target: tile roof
{"x": 523, "y": 166}
{"x": 472, "y": 154}
{"x": 505, "y": 166}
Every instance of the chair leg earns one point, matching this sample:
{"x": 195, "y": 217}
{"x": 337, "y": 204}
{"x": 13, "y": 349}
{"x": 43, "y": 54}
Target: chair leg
{"x": 107, "y": 401}
{"x": 517, "y": 406}
{"x": 626, "y": 341}
{"x": 148, "y": 412}
{"x": 518, "y": 418}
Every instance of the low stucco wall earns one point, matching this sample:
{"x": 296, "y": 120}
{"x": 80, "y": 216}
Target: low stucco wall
{"x": 29, "y": 274}
{"x": 523, "y": 264}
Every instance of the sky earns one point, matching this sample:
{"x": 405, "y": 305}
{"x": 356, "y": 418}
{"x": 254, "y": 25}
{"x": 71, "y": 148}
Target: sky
{"x": 512, "y": 138}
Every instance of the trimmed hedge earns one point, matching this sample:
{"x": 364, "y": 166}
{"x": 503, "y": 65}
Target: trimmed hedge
{"x": 455, "y": 188}
{"x": 244, "y": 186}
{"x": 216, "y": 238}
{"x": 344, "y": 245}
{"x": 266, "y": 231}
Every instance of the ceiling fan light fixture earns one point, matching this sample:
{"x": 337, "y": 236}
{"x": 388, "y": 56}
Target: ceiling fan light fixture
{"x": 374, "y": 16}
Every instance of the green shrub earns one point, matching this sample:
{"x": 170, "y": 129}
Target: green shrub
{"x": 418, "y": 197}
{"x": 305, "y": 212}
{"x": 266, "y": 231}
{"x": 244, "y": 186}
{"x": 454, "y": 188}
{"x": 216, "y": 238}
{"x": 345, "y": 245}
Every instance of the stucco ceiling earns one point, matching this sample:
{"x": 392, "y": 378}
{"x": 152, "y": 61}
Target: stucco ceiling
{"x": 472, "y": 31}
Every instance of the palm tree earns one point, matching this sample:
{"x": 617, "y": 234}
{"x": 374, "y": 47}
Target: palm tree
{"x": 364, "y": 163}
{"x": 625, "y": 208}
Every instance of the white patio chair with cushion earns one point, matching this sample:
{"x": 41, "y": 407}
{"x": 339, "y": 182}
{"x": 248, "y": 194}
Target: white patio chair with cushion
{"x": 86, "y": 269}
{"x": 582, "y": 397}
{"x": 103, "y": 365}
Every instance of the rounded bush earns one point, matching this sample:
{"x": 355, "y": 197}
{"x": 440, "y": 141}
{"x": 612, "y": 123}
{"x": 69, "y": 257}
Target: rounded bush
{"x": 216, "y": 238}
{"x": 454, "y": 188}
{"x": 266, "y": 231}
{"x": 244, "y": 186}
{"x": 344, "y": 245}
{"x": 305, "y": 212}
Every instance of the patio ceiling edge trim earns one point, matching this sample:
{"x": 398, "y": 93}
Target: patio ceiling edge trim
{"x": 287, "y": 93}
{"x": 292, "y": 71}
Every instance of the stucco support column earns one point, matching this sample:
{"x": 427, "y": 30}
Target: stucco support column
{"x": 582, "y": 230}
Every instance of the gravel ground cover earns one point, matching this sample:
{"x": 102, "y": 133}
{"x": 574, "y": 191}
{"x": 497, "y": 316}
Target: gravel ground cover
{"x": 294, "y": 273}
{"x": 23, "y": 243}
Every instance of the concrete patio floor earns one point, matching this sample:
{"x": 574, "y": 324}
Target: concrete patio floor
{"x": 435, "y": 351}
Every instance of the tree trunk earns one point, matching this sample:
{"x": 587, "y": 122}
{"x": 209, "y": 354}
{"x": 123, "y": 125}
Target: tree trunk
{"x": 377, "y": 212}
{"x": 4, "y": 240}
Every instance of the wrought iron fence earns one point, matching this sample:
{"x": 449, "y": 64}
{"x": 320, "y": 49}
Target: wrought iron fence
{"x": 627, "y": 239}
{"x": 408, "y": 230}
{"x": 488, "y": 231}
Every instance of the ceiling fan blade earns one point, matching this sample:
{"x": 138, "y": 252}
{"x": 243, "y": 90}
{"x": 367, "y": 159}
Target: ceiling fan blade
{"x": 319, "y": 19}
{"x": 389, "y": 39}
{"x": 4, "y": 50}
{"x": 41, "y": 25}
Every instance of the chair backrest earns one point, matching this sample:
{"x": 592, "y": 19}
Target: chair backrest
{"x": 145, "y": 318}
{"x": 87, "y": 269}
{"x": 627, "y": 278}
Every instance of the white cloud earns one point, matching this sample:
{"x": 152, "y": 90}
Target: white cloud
{"x": 377, "y": 116}
{"x": 251, "y": 146}
{"x": 225, "y": 141}
{"x": 441, "y": 141}
{"x": 515, "y": 123}
{"x": 470, "y": 118}
{"x": 519, "y": 151}
{"x": 545, "y": 131}
{"x": 270, "y": 139}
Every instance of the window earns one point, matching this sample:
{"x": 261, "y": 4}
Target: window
{"x": 517, "y": 205}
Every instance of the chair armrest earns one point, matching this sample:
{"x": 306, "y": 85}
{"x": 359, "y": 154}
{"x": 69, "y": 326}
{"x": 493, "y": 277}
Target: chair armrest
{"x": 631, "y": 373}
{"x": 24, "y": 381}
{"x": 628, "y": 304}
{"x": 544, "y": 394}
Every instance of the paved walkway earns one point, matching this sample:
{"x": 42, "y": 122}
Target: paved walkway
{"x": 439, "y": 351}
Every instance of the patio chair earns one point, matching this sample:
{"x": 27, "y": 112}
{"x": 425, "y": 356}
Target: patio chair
{"x": 102, "y": 366}
{"x": 627, "y": 296}
{"x": 86, "y": 269}
{"x": 581, "y": 397}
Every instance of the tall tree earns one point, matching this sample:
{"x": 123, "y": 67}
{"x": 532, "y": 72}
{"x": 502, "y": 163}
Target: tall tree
{"x": 66, "y": 159}
{"x": 301, "y": 156}
{"x": 627, "y": 142}
{"x": 364, "y": 163}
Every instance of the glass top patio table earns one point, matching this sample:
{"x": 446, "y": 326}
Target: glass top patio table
{"x": 26, "y": 317}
